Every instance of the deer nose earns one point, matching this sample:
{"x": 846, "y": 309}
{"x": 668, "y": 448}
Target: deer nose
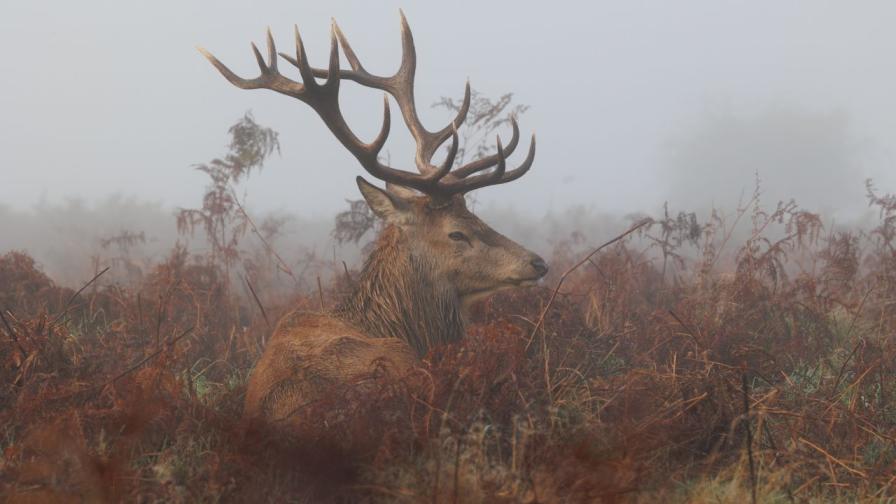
{"x": 540, "y": 266}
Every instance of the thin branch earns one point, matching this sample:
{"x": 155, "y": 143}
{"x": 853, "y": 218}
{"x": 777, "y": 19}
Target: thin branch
{"x": 576, "y": 266}
{"x": 146, "y": 359}
{"x": 258, "y": 301}
{"x": 286, "y": 269}
{"x": 745, "y": 390}
{"x": 12, "y": 335}
{"x": 320, "y": 293}
{"x": 833, "y": 459}
{"x": 68, "y": 304}
{"x": 855, "y": 348}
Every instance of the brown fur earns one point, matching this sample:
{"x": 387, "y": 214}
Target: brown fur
{"x": 410, "y": 298}
{"x": 309, "y": 355}
{"x": 399, "y": 296}
{"x": 433, "y": 260}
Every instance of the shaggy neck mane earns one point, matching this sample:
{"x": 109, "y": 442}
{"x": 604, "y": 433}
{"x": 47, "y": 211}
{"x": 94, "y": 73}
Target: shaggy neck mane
{"x": 397, "y": 296}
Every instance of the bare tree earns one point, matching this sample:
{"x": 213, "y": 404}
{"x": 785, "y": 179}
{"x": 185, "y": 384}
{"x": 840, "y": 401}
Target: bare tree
{"x": 221, "y": 216}
{"x": 674, "y": 232}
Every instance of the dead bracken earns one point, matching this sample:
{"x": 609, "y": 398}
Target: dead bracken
{"x": 677, "y": 363}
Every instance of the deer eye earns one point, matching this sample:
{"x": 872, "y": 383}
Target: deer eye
{"x": 458, "y": 236}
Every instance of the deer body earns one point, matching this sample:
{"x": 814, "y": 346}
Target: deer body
{"x": 310, "y": 355}
{"x": 393, "y": 316}
{"x": 432, "y": 260}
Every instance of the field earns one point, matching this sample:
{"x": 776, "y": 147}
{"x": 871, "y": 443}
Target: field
{"x": 570, "y": 338}
{"x": 762, "y": 369}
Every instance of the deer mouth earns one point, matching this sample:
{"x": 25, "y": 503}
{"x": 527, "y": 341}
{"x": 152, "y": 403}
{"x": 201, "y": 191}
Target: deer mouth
{"x": 523, "y": 282}
{"x": 509, "y": 283}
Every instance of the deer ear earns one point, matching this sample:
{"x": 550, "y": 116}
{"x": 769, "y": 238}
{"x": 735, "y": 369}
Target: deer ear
{"x": 400, "y": 191}
{"x": 385, "y": 205}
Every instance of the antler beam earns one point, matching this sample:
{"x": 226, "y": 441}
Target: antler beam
{"x": 436, "y": 181}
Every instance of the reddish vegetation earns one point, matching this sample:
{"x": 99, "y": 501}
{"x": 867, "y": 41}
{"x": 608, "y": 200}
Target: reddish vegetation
{"x": 628, "y": 384}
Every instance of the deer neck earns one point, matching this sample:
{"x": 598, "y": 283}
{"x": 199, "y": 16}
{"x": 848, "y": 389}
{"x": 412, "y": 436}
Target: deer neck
{"x": 399, "y": 296}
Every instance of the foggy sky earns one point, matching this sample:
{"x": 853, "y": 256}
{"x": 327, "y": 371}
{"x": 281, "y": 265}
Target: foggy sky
{"x": 104, "y": 97}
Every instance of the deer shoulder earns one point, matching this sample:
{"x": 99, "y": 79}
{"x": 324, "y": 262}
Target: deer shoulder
{"x": 314, "y": 353}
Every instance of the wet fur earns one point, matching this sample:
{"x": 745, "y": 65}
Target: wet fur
{"x": 410, "y": 298}
{"x": 397, "y": 313}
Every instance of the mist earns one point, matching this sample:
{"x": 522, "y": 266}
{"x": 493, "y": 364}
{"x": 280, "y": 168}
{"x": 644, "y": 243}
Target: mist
{"x": 692, "y": 300}
{"x": 107, "y": 107}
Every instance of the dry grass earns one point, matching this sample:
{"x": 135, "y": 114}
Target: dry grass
{"x": 636, "y": 381}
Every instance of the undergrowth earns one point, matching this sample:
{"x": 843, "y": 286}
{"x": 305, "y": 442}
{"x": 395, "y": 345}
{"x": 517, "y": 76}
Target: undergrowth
{"x": 758, "y": 371}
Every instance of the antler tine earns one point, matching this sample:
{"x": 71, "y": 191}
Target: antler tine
{"x": 270, "y": 78}
{"x": 438, "y": 182}
{"x": 357, "y": 72}
{"x": 302, "y": 61}
{"x": 347, "y": 48}
{"x": 497, "y": 176}
{"x": 408, "y": 50}
{"x": 380, "y": 140}
{"x": 521, "y": 170}
{"x": 483, "y": 179}
{"x": 324, "y": 99}
{"x": 489, "y": 161}
{"x": 258, "y": 58}
{"x": 333, "y": 67}
{"x": 459, "y": 119}
{"x": 272, "y": 52}
{"x": 445, "y": 168}
{"x": 401, "y": 86}
{"x": 226, "y": 72}
{"x": 403, "y": 92}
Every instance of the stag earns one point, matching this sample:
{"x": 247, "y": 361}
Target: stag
{"x": 432, "y": 259}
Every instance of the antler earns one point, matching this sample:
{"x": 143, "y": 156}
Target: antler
{"x": 436, "y": 181}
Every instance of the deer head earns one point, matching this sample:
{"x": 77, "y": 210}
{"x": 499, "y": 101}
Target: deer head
{"x": 426, "y": 209}
{"x": 464, "y": 251}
